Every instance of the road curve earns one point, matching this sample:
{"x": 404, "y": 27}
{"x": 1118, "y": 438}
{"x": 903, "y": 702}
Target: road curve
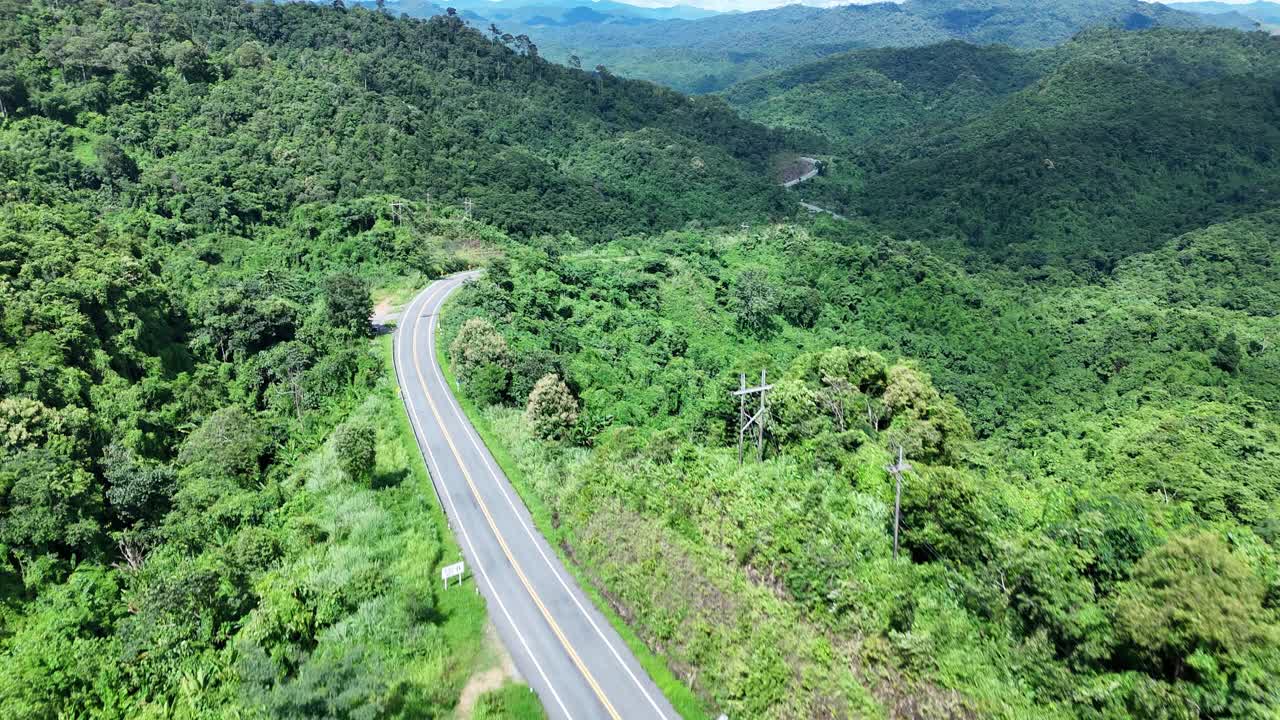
{"x": 565, "y": 649}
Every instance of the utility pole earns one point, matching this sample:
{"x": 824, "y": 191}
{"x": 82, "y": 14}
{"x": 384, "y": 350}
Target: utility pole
{"x": 396, "y": 209}
{"x": 897, "y": 469}
{"x": 468, "y": 205}
{"x": 751, "y": 422}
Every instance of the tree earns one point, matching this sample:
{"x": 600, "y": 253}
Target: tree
{"x": 755, "y": 302}
{"x": 115, "y": 162}
{"x": 1196, "y": 614}
{"x": 926, "y": 424}
{"x": 348, "y": 304}
{"x": 801, "y": 306}
{"x": 189, "y": 60}
{"x": 1192, "y": 594}
{"x": 793, "y": 411}
{"x": 476, "y": 345}
{"x": 489, "y": 384}
{"x": 355, "y": 446}
{"x": 552, "y": 408}
{"x": 1227, "y": 354}
{"x": 49, "y": 510}
{"x": 250, "y": 54}
{"x": 12, "y": 91}
{"x": 136, "y": 491}
{"x": 228, "y": 442}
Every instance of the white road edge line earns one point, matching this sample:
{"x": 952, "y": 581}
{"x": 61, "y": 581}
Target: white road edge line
{"x": 493, "y": 474}
{"x": 424, "y": 448}
{"x": 498, "y": 535}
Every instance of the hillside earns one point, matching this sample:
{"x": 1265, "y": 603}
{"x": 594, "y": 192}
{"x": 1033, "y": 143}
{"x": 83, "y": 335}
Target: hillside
{"x": 1090, "y": 511}
{"x": 210, "y": 505}
{"x": 1121, "y": 141}
{"x": 419, "y": 108}
{"x": 875, "y": 97}
{"x": 710, "y": 54}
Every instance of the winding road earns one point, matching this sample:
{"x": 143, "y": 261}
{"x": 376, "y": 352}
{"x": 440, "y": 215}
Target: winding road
{"x": 810, "y": 174}
{"x": 565, "y": 649}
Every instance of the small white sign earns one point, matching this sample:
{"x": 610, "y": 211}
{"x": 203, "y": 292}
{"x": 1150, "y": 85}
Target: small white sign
{"x": 449, "y": 572}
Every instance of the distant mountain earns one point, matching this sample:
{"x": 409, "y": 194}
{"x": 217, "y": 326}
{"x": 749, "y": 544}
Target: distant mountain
{"x": 1267, "y": 13}
{"x": 552, "y": 12}
{"x": 709, "y": 54}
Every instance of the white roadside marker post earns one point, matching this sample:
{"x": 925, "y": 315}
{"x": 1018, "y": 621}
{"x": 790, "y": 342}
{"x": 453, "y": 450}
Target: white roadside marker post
{"x": 449, "y": 572}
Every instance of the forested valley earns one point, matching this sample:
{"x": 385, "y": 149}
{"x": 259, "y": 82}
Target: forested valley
{"x": 1056, "y": 294}
{"x": 1068, "y": 158}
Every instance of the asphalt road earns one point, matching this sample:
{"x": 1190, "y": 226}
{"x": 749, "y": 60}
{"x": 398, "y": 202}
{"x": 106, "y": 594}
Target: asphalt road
{"x": 562, "y": 645}
{"x": 809, "y": 174}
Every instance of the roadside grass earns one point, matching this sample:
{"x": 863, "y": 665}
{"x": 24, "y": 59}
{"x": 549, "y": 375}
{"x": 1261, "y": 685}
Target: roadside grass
{"x": 461, "y": 610}
{"x": 512, "y": 700}
{"x": 681, "y": 697}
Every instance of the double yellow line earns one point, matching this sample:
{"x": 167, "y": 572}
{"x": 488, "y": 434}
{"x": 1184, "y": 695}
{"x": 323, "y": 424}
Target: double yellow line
{"x": 475, "y": 491}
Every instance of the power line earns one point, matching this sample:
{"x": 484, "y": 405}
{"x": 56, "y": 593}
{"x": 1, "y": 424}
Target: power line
{"x": 756, "y": 421}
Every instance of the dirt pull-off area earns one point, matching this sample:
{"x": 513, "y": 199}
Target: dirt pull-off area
{"x": 502, "y": 671}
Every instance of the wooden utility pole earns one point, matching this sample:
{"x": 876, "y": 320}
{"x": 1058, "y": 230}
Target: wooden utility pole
{"x": 752, "y": 422}
{"x": 897, "y": 469}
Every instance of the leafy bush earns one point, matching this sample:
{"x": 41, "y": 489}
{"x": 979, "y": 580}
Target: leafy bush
{"x": 552, "y": 410}
{"x": 355, "y": 447}
{"x": 478, "y": 345}
{"x": 347, "y": 303}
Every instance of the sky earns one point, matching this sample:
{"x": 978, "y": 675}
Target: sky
{"x": 726, "y": 5}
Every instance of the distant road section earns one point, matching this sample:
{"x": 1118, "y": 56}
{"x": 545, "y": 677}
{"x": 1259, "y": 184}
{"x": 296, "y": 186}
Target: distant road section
{"x": 815, "y": 209}
{"x": 805, "y": 168}
{"x": 565, "y": 649}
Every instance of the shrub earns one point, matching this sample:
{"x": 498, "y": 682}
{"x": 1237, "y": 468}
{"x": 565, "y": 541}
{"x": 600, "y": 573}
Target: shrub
{"x": 488, "y": 385}
{"x": 355, "y": 446}
{"x": 348, "y": 304}
{"x": 552, "y": 409}
{"x": 476, "y": 345}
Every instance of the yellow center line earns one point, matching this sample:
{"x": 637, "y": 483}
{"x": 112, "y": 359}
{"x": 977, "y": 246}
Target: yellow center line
{"x": 416, "y": 422}
{"x": 475, "y": 491}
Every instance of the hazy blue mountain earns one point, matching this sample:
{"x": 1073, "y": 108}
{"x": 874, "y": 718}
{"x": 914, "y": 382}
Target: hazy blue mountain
{"x": 1267, "y": 13}
{"x": 711, "y": 53}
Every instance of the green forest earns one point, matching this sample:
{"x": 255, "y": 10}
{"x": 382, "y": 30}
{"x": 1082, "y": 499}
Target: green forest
{"x": 1089, "y": 529}
{"x": 197, "y": 199}
{"x": 1066, "y": 159}
{"x": 1056, "y": 295}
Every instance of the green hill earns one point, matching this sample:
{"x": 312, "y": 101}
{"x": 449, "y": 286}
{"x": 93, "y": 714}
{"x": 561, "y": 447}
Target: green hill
{"x": 1091, "y": 509}
{"x": 415, "y": 107}
{"x": 874, "y": 97}
{"x": 1085, "y": 153}
{"x": 1130, "y": 139}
